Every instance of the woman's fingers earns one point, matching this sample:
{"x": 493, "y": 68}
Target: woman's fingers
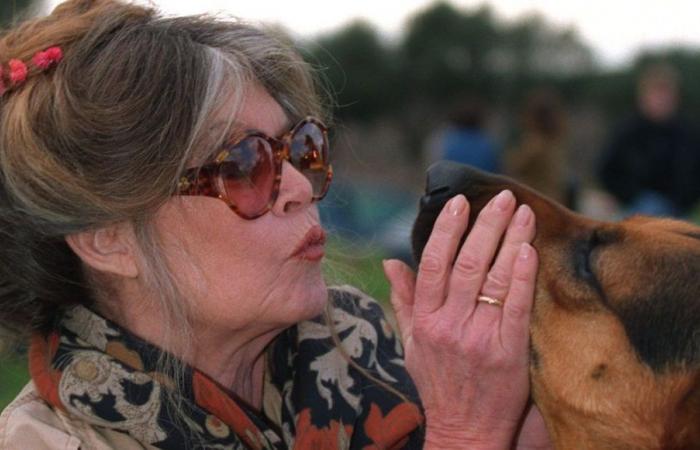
{"x": 438, "y": 254}
{"x": 402, "y": 281}
{"x": 521, "y": 229}
{"x": 476, "y": 255}
{"x": 518, "y": 304}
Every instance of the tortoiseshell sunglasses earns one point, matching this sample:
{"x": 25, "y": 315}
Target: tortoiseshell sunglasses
{"x": 246, "y": 174}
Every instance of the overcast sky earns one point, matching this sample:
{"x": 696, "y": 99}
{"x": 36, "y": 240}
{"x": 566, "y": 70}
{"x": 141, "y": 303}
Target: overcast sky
{"x": 615, "y": 28}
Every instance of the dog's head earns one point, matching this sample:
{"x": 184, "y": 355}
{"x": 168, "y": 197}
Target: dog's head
{"x": 615, "y": 331}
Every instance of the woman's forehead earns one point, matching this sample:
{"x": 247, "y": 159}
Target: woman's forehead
{"x": 257, "y": 111}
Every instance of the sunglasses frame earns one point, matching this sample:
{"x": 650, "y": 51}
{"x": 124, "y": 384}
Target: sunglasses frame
{"x": 206, "y": 180}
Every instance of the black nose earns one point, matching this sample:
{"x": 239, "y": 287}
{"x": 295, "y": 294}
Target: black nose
{"x": 444, "y": 181}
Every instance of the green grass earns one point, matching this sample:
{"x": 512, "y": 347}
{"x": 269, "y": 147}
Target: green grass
{"x": 13, "y": 376}
{"x": 346, "y": 263}
{"x": 360, "y": 266}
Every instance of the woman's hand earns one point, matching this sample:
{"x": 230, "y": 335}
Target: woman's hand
{"x": 533, "y": 434}
{"x": 469, "y": 359}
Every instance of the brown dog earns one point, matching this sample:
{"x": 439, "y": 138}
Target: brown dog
{"x": 615, "y": 360}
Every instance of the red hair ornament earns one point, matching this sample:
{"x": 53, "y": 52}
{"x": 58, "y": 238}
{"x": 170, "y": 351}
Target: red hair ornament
{"x": 18, "y": 71}
{"x": 48, "y": 58}
{"x": 42, "y": 60}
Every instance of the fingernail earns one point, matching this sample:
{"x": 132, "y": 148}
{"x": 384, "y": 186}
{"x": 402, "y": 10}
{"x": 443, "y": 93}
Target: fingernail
{"x": 386, "y": 265}
{"x": 525, "y": 251}
{"x": 502, "y": 200}
{"x": 457, "y": 205}
{"x": 523, "y": 216}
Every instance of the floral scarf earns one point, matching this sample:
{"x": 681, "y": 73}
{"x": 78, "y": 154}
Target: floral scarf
{"x": 313, "y": 398}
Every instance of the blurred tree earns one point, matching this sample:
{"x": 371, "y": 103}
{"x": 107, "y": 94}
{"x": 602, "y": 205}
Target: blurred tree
{"x": 12, "y": 9}
{"x": 532, "y": 46}
{"x": 532, "y": 52}
{"x": 360, "y": 69}
{"x": 445, "y": 50}
{"x": 444, "y": 53}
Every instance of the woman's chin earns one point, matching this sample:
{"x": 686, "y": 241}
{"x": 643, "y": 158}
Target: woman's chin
{"x": 311, "y": 300}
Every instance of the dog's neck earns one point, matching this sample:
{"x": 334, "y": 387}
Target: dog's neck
{"x": 580, "y": 433}
{"x": 678, "y": 429}
{"x": 587, "y": 436}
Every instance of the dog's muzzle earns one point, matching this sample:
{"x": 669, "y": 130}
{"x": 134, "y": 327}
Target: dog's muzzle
{"x": 444, "y": 178}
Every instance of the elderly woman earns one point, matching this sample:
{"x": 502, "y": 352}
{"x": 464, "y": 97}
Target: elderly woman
{"x": 162, "y": 255}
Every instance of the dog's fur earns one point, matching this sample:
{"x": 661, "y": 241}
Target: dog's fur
{"x": 615, "y": 330}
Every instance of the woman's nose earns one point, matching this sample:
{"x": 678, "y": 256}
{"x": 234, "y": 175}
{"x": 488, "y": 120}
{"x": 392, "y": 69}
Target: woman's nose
{"x": 295, "y": 191}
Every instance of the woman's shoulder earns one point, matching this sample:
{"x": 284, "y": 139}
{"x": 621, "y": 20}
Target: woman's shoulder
{"x": 30, "y": 423}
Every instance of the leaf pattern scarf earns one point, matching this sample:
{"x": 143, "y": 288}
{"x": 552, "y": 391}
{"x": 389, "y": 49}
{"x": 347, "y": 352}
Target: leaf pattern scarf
{"x": 313, "y": 398}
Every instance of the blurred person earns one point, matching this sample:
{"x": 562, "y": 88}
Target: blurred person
{"x": 540, "y": 157}
{"x": 652, "y": 161}
{"x": 162, "y": 255}
{"x": 464, "y": 139}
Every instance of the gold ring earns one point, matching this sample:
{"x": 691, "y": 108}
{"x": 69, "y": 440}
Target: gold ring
{"x": 489, "y": 300}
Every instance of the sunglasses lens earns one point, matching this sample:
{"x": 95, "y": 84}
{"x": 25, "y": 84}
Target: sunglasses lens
{"x": 309, "y": 154}
{"x": 248, "y": 175}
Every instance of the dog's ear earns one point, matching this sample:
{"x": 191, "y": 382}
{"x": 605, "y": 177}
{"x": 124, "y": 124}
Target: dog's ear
{"x": 646, "y": 271}
{"x": 662, "y": 320}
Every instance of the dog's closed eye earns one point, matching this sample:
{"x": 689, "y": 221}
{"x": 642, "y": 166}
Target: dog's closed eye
{"x": 585, "y": 255}
{"x": 582, "y": 260}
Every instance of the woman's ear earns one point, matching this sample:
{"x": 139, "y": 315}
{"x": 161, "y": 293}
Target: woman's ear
{"x": 111, "y": 249}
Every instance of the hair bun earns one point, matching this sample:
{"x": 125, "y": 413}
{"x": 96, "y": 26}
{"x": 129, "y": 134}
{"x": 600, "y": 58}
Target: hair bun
{"x": 70, "y": 21}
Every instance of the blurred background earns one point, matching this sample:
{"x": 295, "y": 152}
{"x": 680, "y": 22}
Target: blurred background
{"x": 594, "y": 103}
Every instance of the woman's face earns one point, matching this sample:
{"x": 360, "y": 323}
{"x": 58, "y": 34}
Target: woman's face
{"x": 247, "y": 274}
